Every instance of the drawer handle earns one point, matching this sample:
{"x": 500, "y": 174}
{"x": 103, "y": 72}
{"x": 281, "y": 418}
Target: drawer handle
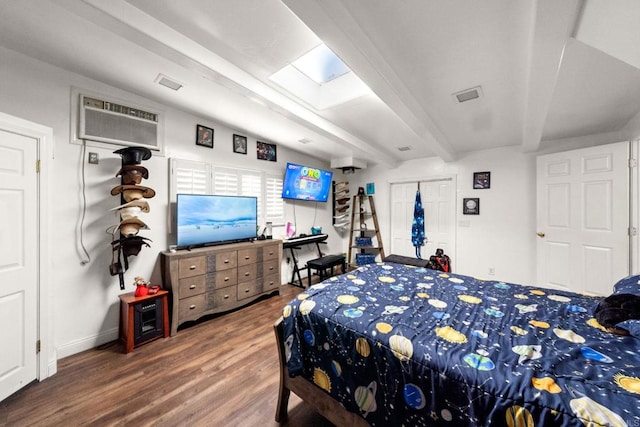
{"x": 247, "y": 257}
{"x": 192, "y": 287}
{"x": 270, "y": 253}
{"x": 192, "y": 306}
{"x": 226, "y": 297}
{"x": 247, "y": 290}
{"x": 270, "y": 268}
{"x": 226, "y": 279}
{"x": 226, "y": 261}
{"x": 247, "y": 274}
{"x": 193, "y": 267}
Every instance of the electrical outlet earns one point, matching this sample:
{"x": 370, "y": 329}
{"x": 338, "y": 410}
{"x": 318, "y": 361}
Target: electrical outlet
{"x": 93, "y": 158}
{"x": 492, "y": 271}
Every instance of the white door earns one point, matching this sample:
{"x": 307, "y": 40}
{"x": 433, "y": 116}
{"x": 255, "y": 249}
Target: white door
{"x": 583, "y": 218}
{"x": 18, "y": 261}
{"x": 438, "y": 199}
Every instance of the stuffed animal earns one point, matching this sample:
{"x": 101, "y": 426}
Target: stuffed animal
{"x": 616, "y": 309}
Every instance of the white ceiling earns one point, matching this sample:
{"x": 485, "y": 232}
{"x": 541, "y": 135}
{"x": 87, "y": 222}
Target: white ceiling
{"x": 547, "y": 69}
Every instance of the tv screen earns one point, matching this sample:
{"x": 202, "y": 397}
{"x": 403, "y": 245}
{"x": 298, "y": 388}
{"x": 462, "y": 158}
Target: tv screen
{"x": 209, "y": 219}
{"x": 306, "y": 183}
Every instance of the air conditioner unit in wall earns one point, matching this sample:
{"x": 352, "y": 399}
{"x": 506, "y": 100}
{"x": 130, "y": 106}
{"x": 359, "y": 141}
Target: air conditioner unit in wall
{"x": 110, "y": 122}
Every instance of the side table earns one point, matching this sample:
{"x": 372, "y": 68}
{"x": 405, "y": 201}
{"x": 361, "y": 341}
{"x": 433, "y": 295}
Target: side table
{"x": 143, "y": 319}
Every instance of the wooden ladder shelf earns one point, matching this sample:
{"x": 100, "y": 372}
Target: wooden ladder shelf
{"x": 360, "y": 233}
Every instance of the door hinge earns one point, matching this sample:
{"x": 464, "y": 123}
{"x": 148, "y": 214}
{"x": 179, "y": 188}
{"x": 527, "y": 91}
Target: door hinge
{"x": 633, "y": 163}
{"x": 37, "y": 346}
{"x": 37, "y": 166}
{"x": 633, "y": 231}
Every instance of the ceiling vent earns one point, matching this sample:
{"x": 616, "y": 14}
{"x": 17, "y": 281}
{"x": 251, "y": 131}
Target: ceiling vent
{"x": 406, "y": 148}
{"x": 167, "y": 82}
{"x": 468, "y": 94}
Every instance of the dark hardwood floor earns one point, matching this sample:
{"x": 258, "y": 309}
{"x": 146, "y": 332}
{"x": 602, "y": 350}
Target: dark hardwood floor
{"x": 220, "y": 372}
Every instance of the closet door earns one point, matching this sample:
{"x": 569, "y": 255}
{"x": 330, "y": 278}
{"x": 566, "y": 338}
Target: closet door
{"x": 438, "y": 201}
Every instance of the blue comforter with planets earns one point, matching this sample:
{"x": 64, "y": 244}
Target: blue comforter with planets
{"x": 408, "y": 346}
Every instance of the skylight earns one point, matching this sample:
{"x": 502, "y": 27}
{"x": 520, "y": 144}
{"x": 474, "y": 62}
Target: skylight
{"x": 321, "y": 65}
{"x": 320, "y": 79}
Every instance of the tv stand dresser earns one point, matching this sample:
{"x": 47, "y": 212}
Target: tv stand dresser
{"x": 220, "y": 278}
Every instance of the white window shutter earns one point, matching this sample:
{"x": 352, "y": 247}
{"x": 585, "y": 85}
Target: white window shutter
{"x": 225, "y": 181}
{"x": 274, "y": 205}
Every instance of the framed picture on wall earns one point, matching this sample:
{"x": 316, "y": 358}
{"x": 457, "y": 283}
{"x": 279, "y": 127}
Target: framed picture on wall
{"x": 204, "y": 136}
{"x": 481, "y": 180}
{"x": 239, "y": 144}
{"x": 471, "y": 206}
{"x": 266, "y": 151}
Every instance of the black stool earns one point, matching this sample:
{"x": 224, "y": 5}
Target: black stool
{"x": 321, "y": 265}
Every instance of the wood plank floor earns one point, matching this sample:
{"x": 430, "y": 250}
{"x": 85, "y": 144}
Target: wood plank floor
{"x": 221, "y": 372}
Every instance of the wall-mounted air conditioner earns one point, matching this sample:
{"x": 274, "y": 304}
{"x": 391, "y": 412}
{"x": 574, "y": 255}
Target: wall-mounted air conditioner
{"x": 111, "y": 122}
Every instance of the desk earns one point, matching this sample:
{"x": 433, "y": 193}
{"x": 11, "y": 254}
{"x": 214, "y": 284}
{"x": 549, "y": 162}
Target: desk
{"x": 296, "y": 243}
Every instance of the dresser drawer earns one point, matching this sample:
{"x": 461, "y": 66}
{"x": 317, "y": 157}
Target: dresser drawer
{"x": 270, "y": 282}
{"x": 270, "y": 267}
{"x": 192, "y": 286}
{"x": 224, "y": 260}
{"x": 222, "y": 279}
{"x": 247, "y": 256}
{"x": 189, "y": 267}
{"x": 248, "y": 272}
{"x": 270, "y": 252}
{"x": 223, "y": 297}
{"x": 192, "y": 307}
{"x": 249, "y": 289}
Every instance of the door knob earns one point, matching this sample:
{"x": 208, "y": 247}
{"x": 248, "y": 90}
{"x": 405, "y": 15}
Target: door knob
{"x": 540, "y": 234}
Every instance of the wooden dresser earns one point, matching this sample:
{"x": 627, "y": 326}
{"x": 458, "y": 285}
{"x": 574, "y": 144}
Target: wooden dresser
{"x": 219, "y": 278}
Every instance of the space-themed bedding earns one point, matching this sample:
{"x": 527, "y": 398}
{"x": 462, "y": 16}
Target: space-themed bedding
{"x": 409, "y": 346}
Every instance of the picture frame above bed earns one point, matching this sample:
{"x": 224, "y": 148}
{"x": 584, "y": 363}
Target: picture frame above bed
{"x": 481, "y": 180}
{"x": 471, "y": 206}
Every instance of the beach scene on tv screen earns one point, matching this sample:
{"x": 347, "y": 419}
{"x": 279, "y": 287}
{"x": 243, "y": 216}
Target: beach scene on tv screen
{"x": 212, "y": 219}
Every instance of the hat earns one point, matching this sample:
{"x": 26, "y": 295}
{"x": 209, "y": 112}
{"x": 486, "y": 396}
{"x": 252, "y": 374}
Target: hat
{"x": 141, "y": 203}
{"x": 133, "y": 174}
{"x": 344, "y": 185}
{"x": 133, "y": 192}
{"x": 133, "y": 155}
{"x": 342, "y": 208}
{"x": 130, "y": 226}
{"x": 130, "y": 245}
{"x": 341, "y": 194}
{"x": 342, "y": 201}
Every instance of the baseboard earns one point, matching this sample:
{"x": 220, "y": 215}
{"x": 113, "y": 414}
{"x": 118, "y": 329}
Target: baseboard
{"x": 87, "y": 343}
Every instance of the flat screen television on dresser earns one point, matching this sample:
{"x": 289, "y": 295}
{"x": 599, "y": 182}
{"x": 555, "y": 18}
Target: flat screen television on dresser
{"x": 206, "y": 220}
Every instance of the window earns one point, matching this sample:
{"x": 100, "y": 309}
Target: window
{"x": 202, "y": 178}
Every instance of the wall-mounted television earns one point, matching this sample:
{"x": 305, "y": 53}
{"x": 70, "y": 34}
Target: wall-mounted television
{"x": 306, "y": 183}
{"x": 203, "y": 220}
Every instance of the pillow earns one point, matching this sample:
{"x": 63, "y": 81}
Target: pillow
{"x": 628, "y": 285}
{"x": 620, "y": 314}
{"x": 631, "y": 325}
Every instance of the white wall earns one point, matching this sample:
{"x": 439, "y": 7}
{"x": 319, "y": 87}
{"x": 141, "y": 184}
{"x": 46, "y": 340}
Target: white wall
{"x": 503, "y": 235}
{"x": 84, "y": 303}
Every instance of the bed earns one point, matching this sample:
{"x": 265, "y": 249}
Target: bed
{"x": 390, "y": 344}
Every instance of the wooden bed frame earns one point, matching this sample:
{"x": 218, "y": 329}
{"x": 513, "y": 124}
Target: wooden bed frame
{"x": 326, "y": 406}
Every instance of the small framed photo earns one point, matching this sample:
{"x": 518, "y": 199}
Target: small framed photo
{"x": 481, "y": 180}
{"x": 471, "y": 206}
{"x": 266, "y": 151}
{"x": 204, "y": 136}
{"x": 239, "y": 144}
